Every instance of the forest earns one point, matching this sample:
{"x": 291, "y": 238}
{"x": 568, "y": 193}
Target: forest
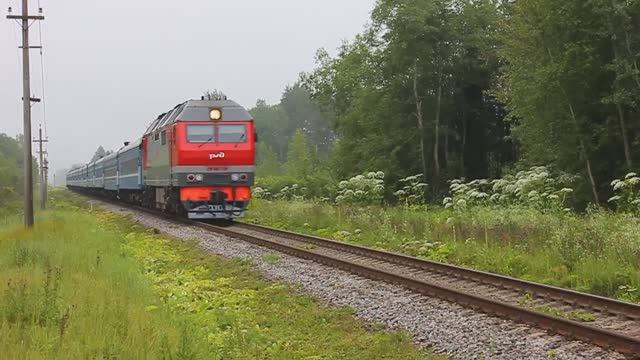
{"x": 465, "y": 89}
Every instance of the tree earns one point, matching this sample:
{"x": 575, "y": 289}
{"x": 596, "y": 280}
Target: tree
{"x": 306, "y": 115}
{"x": 412, "y": 93}
{"x": 298, "y": 158}
{"x": 569, "y": 86}
{"x": 267, "y": 160}
{"x": 99, "y": 154}
{"x": 274, "y": 126}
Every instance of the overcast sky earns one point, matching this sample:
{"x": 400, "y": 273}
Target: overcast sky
{"x": 112, "y": 66}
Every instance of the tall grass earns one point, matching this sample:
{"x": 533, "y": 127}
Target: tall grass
{"x": 68, "y": 290}
{"x": 598, "y": 252}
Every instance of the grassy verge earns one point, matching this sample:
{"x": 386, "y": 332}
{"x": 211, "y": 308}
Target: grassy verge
{"x": 597, "y": 253}
{"x": 90, "y": 284}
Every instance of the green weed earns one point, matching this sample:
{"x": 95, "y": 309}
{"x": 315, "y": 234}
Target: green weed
{"x": 272, "y": 259}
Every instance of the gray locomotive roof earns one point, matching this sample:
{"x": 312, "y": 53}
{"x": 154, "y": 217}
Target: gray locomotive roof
{"x": 198, "y": 110}
{"x": 212, "y": 103}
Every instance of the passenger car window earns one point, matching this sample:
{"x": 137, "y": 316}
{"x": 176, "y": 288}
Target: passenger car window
{"x": 200, "y": 133}
{"x": 232, "y": 133}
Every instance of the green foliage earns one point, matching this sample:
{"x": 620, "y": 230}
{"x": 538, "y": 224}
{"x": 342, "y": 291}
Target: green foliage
{"x": 274, "y": 127}
{"x": 572, "y": 67}
{"x": 267, "y": 161}
{"x": 277, "y": 124}
{"x": 11, "y": 170}
{"x": 437, "y": 56}
{"x": 299, "y": 163}
{"x": 627, "y": 192}
{"x": 365, "y": 189}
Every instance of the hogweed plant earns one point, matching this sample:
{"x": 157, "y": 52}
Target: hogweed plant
{"x": 293, "y": 192}
{"x": 412, "y": 192}
{"x": 365, "y": 189}
{"x": 627, "y": 190}
{"x": 537, "y": 188}
{"x": 262, "y": 193}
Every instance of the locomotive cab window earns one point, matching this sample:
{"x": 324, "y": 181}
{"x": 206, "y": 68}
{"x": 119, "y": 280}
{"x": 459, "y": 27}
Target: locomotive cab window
{"x": 163, "y": 137}
{"x": 200, "y": 133}
{"x": 232, "y": 133}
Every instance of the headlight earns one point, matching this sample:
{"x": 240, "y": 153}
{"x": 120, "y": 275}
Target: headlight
{"x": 239, "y": 177}
{"x": 195, "y": 177}
{"x": 215, "y": 114}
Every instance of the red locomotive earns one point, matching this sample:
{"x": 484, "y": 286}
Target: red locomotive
{"x": 197, "y": 159}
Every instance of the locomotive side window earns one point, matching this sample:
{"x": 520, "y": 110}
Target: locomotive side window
{"x": 163, "y": 137}
{"x": 232, "y": 133}
{"x": 200, "y": 133}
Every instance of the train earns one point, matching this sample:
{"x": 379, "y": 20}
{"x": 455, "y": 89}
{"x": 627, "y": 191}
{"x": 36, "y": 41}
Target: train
{"x": 195, "y": 160}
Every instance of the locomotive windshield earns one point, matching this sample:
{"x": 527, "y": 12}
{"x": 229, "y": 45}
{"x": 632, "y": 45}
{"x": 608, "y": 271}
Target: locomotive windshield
{"x": 200, "y": 133}
{"x": 227, "y": 133}
{"x": 232, "y": 133}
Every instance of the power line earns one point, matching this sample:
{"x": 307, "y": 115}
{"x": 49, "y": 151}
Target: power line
{"x": 18, "y": 77}
{"x": 44, "y": 98}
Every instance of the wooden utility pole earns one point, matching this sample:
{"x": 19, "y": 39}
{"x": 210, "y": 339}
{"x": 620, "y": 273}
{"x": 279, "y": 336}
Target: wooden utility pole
{"x": 26, "y": 99}
{"x": 43, "y": 170}
{"x": 45, "y": 190}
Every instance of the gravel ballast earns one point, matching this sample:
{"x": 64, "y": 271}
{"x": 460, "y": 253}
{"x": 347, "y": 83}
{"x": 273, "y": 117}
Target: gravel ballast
{"x": 443, "y": 327}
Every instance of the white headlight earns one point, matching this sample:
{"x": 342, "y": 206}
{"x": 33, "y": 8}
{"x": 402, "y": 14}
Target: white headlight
{"x": 199, "y": 177}
{"x": 235, "y": 177}
{"x": 215, "y": 114}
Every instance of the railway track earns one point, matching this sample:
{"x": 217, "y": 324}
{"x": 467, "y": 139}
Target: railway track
{"x": 606, "y": 322}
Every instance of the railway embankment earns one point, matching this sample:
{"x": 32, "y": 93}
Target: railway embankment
{"x": 88, "y": 283}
